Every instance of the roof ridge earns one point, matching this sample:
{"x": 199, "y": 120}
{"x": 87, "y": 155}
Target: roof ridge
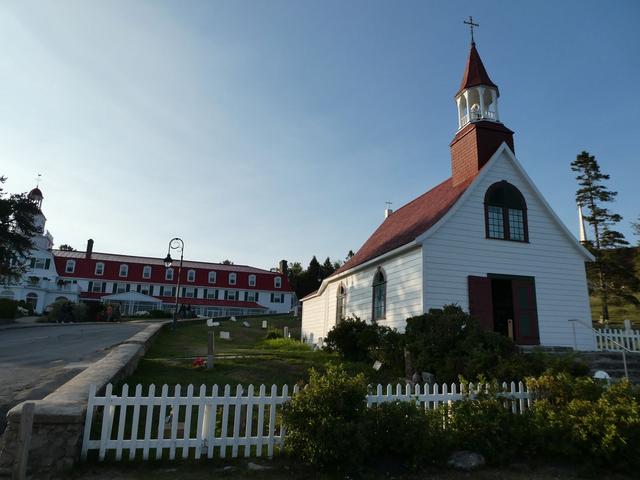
{"x": 419, "y": 197}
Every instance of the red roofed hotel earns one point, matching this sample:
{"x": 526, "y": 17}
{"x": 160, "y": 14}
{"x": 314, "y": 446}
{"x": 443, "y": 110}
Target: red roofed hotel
{"x": 484, "y": 239}
{"x": 144, "y": 283}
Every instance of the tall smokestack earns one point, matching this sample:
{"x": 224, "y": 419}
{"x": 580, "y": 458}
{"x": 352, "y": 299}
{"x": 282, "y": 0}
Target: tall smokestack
{"x": 89, "y": 248}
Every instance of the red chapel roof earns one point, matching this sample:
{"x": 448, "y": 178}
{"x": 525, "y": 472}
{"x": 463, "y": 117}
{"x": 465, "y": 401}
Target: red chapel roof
{"x": 409, "y": 222}
{"x": 475, "y": 73}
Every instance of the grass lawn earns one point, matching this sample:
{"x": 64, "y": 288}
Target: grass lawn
{"x": 617, "y": 313}
{"x": 248, "y": 358}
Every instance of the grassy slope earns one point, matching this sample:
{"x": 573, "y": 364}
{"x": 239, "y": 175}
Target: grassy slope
{"x": 617, "y": 313}
{"x": 245, "y": 359}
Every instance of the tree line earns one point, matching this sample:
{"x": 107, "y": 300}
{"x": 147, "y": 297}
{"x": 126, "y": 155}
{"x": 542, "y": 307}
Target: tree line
{"x": 305, "y": 281}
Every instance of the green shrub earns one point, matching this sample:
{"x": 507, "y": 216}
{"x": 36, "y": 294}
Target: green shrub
{"x": 582, "y": 420}
{"x": 8, "y": 309}
{"x": 405, "y": 433}
{"x": 160, "y": 314}
{"x": 449, "y": 342}
{"x": 27, "y": 306}
{"x": 273, "y": 333}
{"x": 486, "y": 425}
{"x": 325, "y": 422}
{"x": 288, "y": 344}
{"x": 78, "y": 312}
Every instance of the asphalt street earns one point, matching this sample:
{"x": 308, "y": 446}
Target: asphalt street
{"x": 34, "y": 361}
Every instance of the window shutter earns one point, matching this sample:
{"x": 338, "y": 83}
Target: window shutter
{"x": 480, "y": 303}
{"x": 104, "y": 287}
{"x": 524, "y": 308}
{"x": 216, "y": 294}
{"x": 246, "y": 296}
{"x": 90, "y": 287}
{"x": 115, "y": 286}
{"x": 256, "y": 295}
{"x": 184, "y": 292}
{"x": 195, "y": 293}
{"x": 271, "y": 297}
{"x": 128, "y": 287}
{"x": 161, "y": 290}
{"x": 47, "y": 263}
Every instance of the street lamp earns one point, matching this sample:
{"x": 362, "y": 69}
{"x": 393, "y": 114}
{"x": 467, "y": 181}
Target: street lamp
{"x": 175, "y": 244}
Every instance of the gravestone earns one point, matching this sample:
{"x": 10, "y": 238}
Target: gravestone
{"x": 264, "y": 324}
{"x": 216, "y": 324}
{"x": 225, "y": 335}
{"x": 377, "y": 365}
{"x": 286, "y": 332}
{"x": 233, "y": 319}
{"x": 246, "y": 324}
{"x": 429, "y": 378}
{"x": 210, "y": 322}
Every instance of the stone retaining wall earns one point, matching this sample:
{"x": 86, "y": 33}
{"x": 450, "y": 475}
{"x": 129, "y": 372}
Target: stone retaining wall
{"x": 58, "y": 422}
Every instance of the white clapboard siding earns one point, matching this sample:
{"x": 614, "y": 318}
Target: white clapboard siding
{"x": 458, "y": 248}
{"x": 403, "y": 299}
{"x": 613, "y": 339}
{"x": 235, "y": 433}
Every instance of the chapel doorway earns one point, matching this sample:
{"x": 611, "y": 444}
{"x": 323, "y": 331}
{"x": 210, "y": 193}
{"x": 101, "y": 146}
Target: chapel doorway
{"x": 496, "y": 299}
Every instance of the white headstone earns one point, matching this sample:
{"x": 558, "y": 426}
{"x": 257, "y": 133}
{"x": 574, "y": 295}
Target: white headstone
{"x": 233, "y": 319}
{"x": 264, "y": 324}
{"x": 225, "y": 335}
{"x": 286, "y": 332}
{"x": 246, "y": 324}
{"x": 210, "y": 322}
{"x": 377, "y": 365}
{"x": 627, "y": 325}
{"x": 216, "y": 324}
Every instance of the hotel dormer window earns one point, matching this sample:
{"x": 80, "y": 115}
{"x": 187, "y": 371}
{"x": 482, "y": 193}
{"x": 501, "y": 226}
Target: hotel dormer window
{"x": 505, "y": 213}
{"x": 212, "y": 277}
{"x": 70, "y": 267}
{"x": 124, "y": 270}
{"x": 168, "y": 274}
{"x": 232, "y": 278}
{"x": 277, "y": 282}
{"x": 146, "y": 271}
{"x": 99, "y": 269}
{"x": 252, "y": 280}
{"x": 191, "y": 276}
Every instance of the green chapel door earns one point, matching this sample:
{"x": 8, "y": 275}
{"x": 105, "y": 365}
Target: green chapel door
{"x": 525, "y": 312}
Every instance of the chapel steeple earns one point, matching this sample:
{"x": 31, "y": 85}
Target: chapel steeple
{"x": 480, "y": 132}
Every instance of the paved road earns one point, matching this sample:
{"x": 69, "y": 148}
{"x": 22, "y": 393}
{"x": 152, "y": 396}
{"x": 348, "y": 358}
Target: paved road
{"x": 34, "y": 361}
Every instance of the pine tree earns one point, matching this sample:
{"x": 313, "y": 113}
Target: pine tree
{"x": 349, "y": 255}
{"x": 327, "y": 268}
{"x": 593, "y": 195}
{"x": 17, "y": 227}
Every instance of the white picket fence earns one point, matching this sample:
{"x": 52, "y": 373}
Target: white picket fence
{"x": 611, "y": 339}
{"x": 150, "y": 425}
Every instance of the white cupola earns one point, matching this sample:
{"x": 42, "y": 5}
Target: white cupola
{"x": 477, "y": 98}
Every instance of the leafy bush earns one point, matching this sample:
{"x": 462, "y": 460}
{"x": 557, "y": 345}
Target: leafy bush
{"x": 325, "y": 422}
{"x": 405, "y": 433}
{"x": 449, "y": 342}
{"x": 485, "y": 425}
{"x": 273, "y": 333}
{"x": 78, "y": 312}
{"x": 160, "y": 314}
{"x": 8, "y": 308}
{"x": 26, "y": 306}
{"x": 287, "y": 344}
{"x": 581, "y": 419}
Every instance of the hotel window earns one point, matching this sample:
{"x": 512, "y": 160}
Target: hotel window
{"x": 211, "y": 293}
{"x": 97, "y": 287}
{"x": 191, "y": 276}
{"x": 167, "y": 291}
{"x": 99, "y": 268}
{"x": 252, "y": 280}
{"x": 70, "y": 267}
{"x": 505, "y": 213}
{"x": 168, "y": 274}
{"x": 40, "y": 263}
{"x": 188, "y": 292}
{"x": 277, "y": 282}
{"x": 144, "y": 289}
{"x": 232, "y": 279}
{"x": 251, "y": 296}
{"x": 231, "y": 295}
{"x": 124, "y": 270}
{"x": 212, "y": 277}
{"x": 121, "y": 288}
{"x": 146, "y": 271}
{"x": 379, "y": 295}
{"x": 277, "y": 297}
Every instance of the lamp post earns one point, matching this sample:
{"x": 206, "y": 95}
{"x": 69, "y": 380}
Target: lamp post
{"x": 175, "y": 244}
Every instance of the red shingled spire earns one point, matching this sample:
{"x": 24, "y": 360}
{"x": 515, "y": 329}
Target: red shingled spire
{"x": 475, "y": 73}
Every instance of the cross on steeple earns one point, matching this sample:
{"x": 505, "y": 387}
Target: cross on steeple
{"x": 38, "y": 180}
{"x": 471, "y": 25}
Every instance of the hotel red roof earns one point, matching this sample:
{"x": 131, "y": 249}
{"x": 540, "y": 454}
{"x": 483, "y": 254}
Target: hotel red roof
{"x": 475, "y": 73}
{"x": 409, "y": 222}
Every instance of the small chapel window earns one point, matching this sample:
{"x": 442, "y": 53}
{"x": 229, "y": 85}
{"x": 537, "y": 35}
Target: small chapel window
{"x": 341, "y": 304}
{"x": 505, "y": 213}
{"x": 379, "y": 296}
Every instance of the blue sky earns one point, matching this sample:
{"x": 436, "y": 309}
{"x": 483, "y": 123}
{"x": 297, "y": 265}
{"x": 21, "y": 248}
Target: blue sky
{"x": 260, "y": 130}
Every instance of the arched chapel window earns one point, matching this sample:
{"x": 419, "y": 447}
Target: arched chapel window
{"x": 379, "y": 295}
{"x": 505, "y": 213}
{"x": 341, "y": 303}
